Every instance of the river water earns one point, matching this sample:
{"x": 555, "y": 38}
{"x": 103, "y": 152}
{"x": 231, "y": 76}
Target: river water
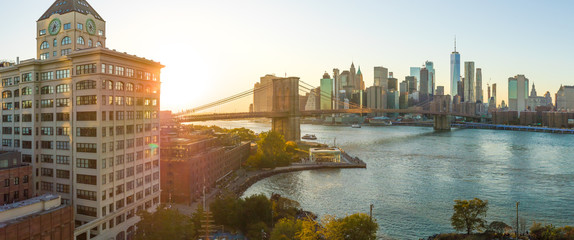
{"x": 413, "y": 175}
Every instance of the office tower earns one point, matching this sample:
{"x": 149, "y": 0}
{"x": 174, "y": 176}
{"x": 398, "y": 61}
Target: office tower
{"x": 454, "y": 71}
{"x": 439, "y": 90}
{"x": 565, "y": 98}
{"x": 424, "y": 90}
{"x": 393, "y": 100}
{"x": 336, "y": 85}
{"x": 326, "y": 92}
{"x": 416, "y": 72}
{"x": 478, "y": 88}
{"x": 88, "y": 121}
{"x": 404, "y": 86}
{"x": 263, "y": 94}
{"x": 392, "y": 84}
{"x": 360, "y": 84}
{"x": 517, "y": 92}
{"x": 460, "y": 90}
{"x": 412, "y": 83}
{"x": 375, "y": 97}
{"x": 469, "y": 94}
{"x": 494, "y": 92}
{"x": 488, "y": 91}
{"x": 381, "y": 77}
{"x": 431, "y": 83}
{"x": 352, "y": 80}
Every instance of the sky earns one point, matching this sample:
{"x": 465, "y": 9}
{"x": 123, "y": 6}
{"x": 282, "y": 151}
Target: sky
{"x": 215, "y": 49}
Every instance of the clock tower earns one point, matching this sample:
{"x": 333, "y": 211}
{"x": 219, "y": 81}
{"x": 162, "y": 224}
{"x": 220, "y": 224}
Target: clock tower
{"x": 67, "y": 26}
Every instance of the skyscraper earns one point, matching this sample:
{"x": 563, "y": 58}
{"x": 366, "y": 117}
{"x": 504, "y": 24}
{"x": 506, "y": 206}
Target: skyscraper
{"x": 517, "y": 92}
{"x": 416, "y": 72}
{"x": 431, "y": 82}
{"x": 89, "y": 121}
{"x": 494, "y": 92}
{"x": 469, "y": 93}
{"x": 359, "y": 79}
{"x": 326, "y": 92}
{"x": 454, "y": 70}
{"x": 424, "y": 90}
{"x": 478, "y": 89}
{"x": 381, "y": 77}
{"x": 412, "y": 83}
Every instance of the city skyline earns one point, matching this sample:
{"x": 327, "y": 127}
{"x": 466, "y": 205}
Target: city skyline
{"x": 226, "y": 47}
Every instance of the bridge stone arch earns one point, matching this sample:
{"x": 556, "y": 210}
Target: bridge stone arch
{"x": 286, "y": 108}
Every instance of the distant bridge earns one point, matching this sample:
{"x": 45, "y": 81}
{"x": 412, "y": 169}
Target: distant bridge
{"x": 286, "y": 113}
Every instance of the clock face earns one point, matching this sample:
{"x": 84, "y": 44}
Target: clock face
{"x": 54, "y": 26}
{"x": 91, "y": 26}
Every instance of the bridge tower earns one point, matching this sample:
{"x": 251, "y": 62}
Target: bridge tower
{"x": 286, "y": 100}
{"x": 441, "y": 106}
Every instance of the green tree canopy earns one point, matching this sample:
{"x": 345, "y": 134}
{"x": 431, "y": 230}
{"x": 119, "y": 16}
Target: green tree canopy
{"x": 286, "y": 229}
{"x": 165, "y": 223}
{"x": 469, "y": 215}
{"x": 271, "y": 151}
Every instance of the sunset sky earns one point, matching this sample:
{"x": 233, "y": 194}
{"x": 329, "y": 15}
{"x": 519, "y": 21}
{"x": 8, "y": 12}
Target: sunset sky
{"x": 214, "y": 49}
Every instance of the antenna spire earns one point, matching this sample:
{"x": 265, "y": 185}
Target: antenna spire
{"x": 455, "y": 43}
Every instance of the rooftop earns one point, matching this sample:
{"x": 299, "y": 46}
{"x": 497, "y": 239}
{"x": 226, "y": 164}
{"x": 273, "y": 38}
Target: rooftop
{"x": 65, "y": 6}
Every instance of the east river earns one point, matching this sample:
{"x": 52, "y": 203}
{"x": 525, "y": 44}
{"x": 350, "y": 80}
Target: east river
{"x": 413, "y": 175}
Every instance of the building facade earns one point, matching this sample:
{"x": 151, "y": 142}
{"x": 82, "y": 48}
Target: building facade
{"x": 16, "y": 178}
{"x": 478, "y": 88}
{"x": 565, "y": 99}
{"x": 454, "y": 71}
{"x": 42, "y": 217}
{"x": 469, "y": 94}
{"x": 263, "y": 94}
{"x": 326, "y": 92}
{"x": 517, "y": 93}
{"x": 87, "y": 119}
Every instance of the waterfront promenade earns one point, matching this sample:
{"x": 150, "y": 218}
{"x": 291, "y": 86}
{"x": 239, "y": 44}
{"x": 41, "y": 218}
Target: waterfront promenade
{"x": 243, "y": 179}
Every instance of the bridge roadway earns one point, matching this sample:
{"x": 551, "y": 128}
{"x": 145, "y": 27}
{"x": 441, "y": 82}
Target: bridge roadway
{"x": 186, "y": 117}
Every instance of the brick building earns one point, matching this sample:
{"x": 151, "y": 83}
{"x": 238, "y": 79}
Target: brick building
{"x": 15, "y": 177}
{"x": 43, "y": 217}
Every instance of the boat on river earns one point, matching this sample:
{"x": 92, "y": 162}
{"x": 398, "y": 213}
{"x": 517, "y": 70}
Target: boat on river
{"x": 380, "y": 121}
{"x": 309, "y": 137}
{"x": 356, "y": 125}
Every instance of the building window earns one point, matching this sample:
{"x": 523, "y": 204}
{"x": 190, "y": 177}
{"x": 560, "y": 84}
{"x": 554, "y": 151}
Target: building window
{"x": 63, "y": 116}
{"x": 47, "y": 131}
{"x": 47, "y": 186}
{"x": 85, "y": 210}
{"x": 66, "y": 52}
{"x": 101, "y": 32}
{"x": 63, "y": 188}
{"x": 62, "y": 102}
{"x": 86, "y": 163}
{"x": 85, "y": 69}
{"x": 63, "y": 88}
{"x": 88, "y": 195}
{"x": 90, "y": 43}
{"x": 42, "y": 32}
{"x": 62, "y": 174}
{"x": 86, "y": 179}
{"x": 86, "y": 132}
{"x": 62, "y": 145}
{"x": 47, "y": 76}
{"x": 55, "y": 42}
{"x": 44, "y": 56}
{"x": 119, "y": 85}
{"x": 44, "y": 45}
{"x": 46, "y": 103}
{"x": 87, "y": 100}
{"x": 67, "y": 26}
{"x": 98, "y": 44}
{"x": 87, "y": 147}
{"x": 87, "y": 116}
{"x": 63, "y": 160}
{"x": 46, "y": 144}
{"x": 46, "y": 90}
{"x": 47, "y": 117}
{"x": 80, "y": 26}
{"x": 63, "y": 131}
{"x": 87, "y": 84}
{"x": 62, "y": 73}
{"x": 66, "y": 41}
{"x": 80, "y": 41}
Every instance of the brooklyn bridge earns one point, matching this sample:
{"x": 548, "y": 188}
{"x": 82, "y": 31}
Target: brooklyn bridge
{"x": 286, "y": 112}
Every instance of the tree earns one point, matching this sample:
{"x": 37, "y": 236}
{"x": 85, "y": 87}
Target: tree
{"x": 309, "y": 230}
{"x": 165, "y": 223}
{"x": 226, "y": 211}
{"x": 469, "y": 215}
{"x": 332, "y": 229}
{"x": 497, "y": 227}
{"x": 286, "y": 229}
{"x": 271, "y": 152}
{"x": 358, "y": 226}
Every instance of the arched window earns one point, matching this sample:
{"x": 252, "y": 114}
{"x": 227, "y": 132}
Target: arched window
{"x": 47, "y": 90}
{"x": 62, "y": 88}
{"x": 129, "y": 87}
{"x": 119, "y": 86}
{"x": 89, "y": 42}
{"x": 139, "y": 88}
{"x": 44, "y": 45}
{"x": 66, "y": 41}
{"x": 98, "y": 44}
{"x": 110, "y": 85}
{"x": 17, "y": 93}
{"x": 147, "y": 89}
{"x": 86, "y": 84}
{"x": 7, "y": 94}
{"x": 80, "y": 41}
{"x": 26, "y": 91}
